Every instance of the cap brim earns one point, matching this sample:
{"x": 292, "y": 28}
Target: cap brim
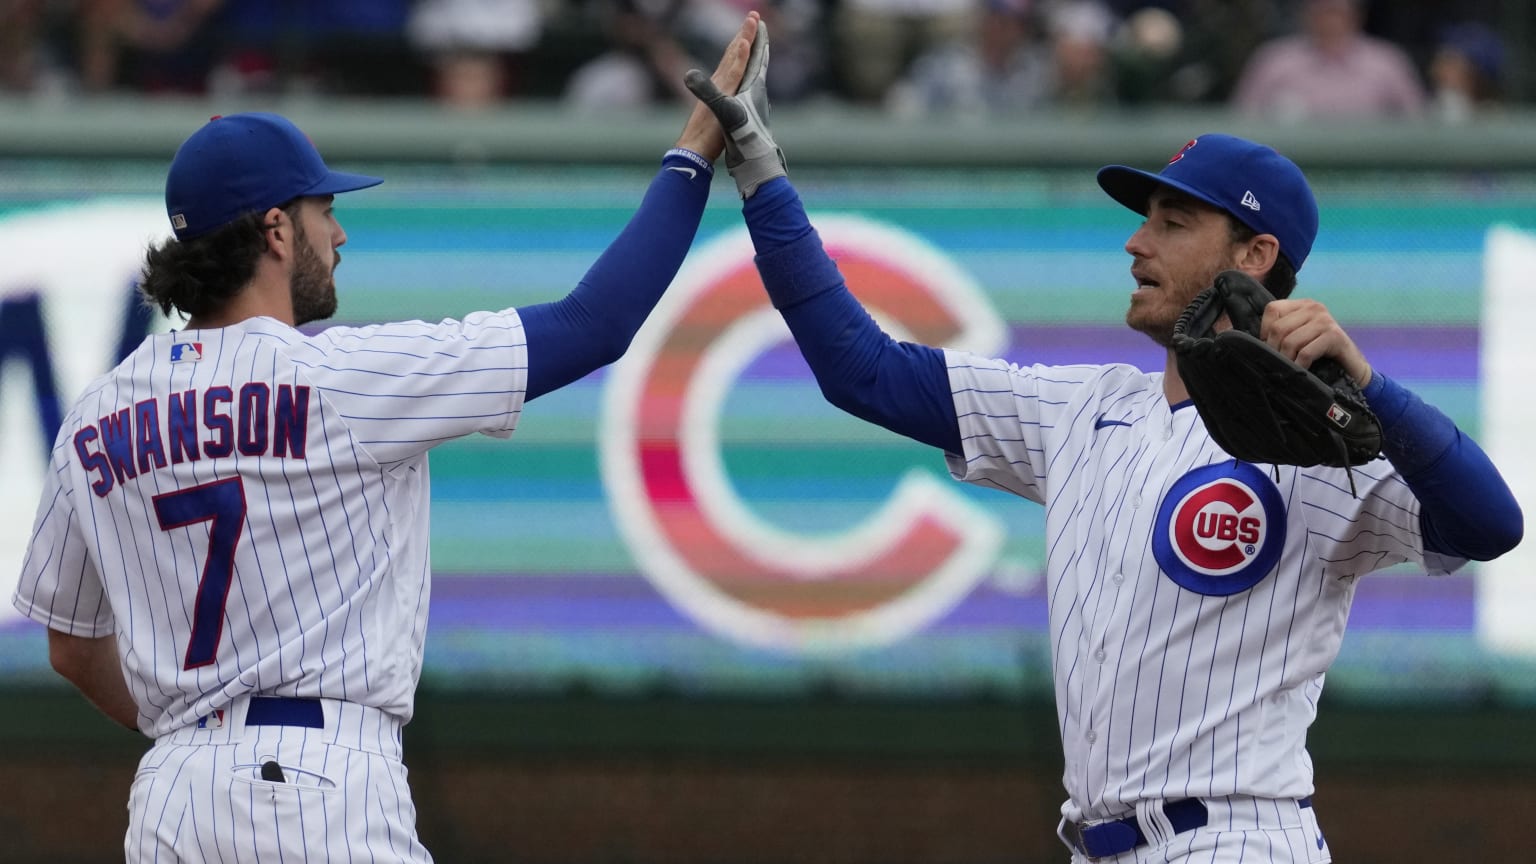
{"x": 1133, "y": 187}
{"x": 336, "y": 182}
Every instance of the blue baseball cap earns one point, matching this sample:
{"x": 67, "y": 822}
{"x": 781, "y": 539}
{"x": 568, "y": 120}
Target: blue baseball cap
{"x": 246, "y": 163}
{"x": 1258, "y": 186}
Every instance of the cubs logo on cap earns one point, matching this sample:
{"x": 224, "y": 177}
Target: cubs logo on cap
{"x": 1220, "y": 529}
{"x": 1250, "y": 181}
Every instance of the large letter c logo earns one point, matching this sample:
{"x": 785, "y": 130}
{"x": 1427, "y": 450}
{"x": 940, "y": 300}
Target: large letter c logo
{"x": 691, "y": 534}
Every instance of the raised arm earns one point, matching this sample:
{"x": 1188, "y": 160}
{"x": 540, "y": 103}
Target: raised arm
{"x": 860, "y": 369}
{"x": 594, "y": 324}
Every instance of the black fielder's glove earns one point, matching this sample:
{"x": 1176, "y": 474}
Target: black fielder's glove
{"x": 1258, "y": 404}
{"x": 751, "y": 155}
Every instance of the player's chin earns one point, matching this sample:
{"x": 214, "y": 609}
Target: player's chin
{"x": 1155, "y": 327}
{"x": 316, "y": 309}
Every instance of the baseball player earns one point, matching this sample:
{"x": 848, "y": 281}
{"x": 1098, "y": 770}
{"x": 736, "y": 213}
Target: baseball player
{"x": 1195, "y": 601}
{"x": 231, "y": 553}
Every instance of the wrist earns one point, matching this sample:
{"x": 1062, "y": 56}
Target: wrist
{"x": 686, "y": 156}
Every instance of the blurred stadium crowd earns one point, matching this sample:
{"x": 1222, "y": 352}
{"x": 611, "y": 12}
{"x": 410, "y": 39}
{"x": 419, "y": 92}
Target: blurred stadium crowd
{"x": 1442, "y": 59}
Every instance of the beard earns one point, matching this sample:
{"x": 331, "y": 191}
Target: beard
{"x": 1158, "y": 328}
{"x": 1156, "y": 317}
{"x": 312, "y": 286}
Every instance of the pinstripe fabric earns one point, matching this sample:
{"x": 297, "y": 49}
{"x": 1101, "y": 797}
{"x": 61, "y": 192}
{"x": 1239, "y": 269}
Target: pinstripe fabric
{"x": 1164, "y": 691}
{"x": 246, "y": 509}
{"x": 329, "y": 590}
{"x": 206, "y": 801}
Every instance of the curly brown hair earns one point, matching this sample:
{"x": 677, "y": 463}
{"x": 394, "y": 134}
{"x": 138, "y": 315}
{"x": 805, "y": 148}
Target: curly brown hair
{"x": 198, "y": 276}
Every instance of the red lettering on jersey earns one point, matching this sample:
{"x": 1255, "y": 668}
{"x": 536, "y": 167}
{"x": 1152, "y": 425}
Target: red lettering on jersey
{"x": 1248, "y": 530}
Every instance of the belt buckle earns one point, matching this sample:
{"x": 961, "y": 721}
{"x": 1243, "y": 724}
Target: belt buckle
{"x": 1074, "y": 832}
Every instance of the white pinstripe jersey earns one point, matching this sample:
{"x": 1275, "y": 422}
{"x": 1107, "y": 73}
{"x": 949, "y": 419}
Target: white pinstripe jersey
{"x": 1195, "y": 602}
{"x": 247, "y": 507}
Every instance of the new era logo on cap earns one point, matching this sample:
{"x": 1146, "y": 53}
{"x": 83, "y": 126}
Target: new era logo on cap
{"x": 1234, "y": 175}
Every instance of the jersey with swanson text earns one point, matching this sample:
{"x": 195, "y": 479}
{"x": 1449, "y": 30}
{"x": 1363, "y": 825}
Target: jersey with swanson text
{"x": 246, "y": 508}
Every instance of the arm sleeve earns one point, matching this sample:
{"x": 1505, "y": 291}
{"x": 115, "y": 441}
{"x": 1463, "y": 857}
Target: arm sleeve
{"x": 594, "y": 324}
{"x": 901, "y": 386}
{"x": 59, "y": 585}
{"x": 1466, "y": 508}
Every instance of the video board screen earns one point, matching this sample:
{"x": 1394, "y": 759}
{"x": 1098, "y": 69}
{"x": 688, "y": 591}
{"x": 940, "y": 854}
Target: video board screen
{"x": 697, "y": 517}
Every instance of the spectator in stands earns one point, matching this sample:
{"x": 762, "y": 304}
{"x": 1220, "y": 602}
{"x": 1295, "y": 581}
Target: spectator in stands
{"x": 645, "y": 57}
{"x": 1332, "y": 69}
{"x": 1146, "y": 52}
{"x": 20, "y": 21}
{"x": 799, "y": 43}
{"x": 1467, "y": 72}
{"x": 1083, "y": 75}
{"x": 477, "y": 47}
{"x": 1219, "y": 37}
{"x": 1020, "y": 58}
{"x": 649, "y": 44}
{"x": 359, "y": 48}
{"x": 876, "y": 40}
{"x": 152, "y": 46}
{"x": 1187, "y": 51}
{"x": 330, "y": 47}
{"x": 1004, "y": 69}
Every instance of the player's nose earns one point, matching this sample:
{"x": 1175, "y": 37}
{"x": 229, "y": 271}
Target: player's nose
{"x": 1137, "y": 245}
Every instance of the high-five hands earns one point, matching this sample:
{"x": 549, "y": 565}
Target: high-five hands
{"x": 702, "y": 134}
{"x": 751, "y": 154}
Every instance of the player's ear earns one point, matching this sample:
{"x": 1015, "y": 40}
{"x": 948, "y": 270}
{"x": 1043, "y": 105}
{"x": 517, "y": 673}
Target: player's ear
{"x": 1258, "y": 254}
{"x": 278, "y": 228}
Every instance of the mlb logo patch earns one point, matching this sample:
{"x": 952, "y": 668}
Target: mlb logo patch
{"x": 186, "y": 352}
{"x": 212, "y": 721}
{"x": 1338, "y": 415}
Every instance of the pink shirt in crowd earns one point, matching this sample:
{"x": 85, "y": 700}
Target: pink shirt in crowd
{"x": 1290, "y": 78}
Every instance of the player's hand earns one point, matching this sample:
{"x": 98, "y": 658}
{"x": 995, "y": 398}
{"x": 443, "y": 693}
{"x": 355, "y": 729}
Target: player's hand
{"x": 1304, "y": 330}
{"x": 702, "y": 133}
{"x": 751, "y": 154}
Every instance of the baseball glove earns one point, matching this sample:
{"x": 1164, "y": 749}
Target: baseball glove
{"x": 1258, "y": 404}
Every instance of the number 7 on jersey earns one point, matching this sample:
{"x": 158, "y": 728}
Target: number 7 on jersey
{"x": 222, "y": 504}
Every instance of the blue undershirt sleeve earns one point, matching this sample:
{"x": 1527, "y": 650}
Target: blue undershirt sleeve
{"x": 1466, "y": 508}
{"x": 899, "y": 385}
{"x": 594, "y": 324}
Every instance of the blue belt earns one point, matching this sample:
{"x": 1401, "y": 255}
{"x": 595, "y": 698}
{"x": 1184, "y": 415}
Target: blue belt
{"x": 284, "y": 711}
{"x": 1108, "y": 839}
